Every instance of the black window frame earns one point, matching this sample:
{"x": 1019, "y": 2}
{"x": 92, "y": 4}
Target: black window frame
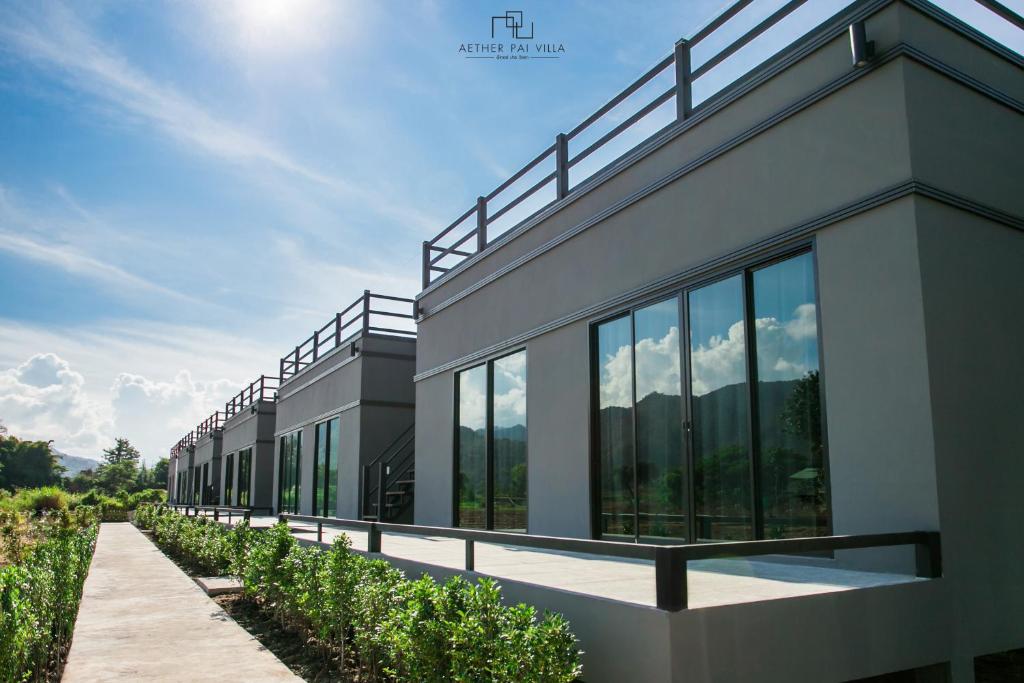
{"x": 297, "y": 485}
{"x": 744, "y": 267}
{"x": 229, "y": 479}
{"x": 488, "y": 440}
{"x": 320, "y": 489}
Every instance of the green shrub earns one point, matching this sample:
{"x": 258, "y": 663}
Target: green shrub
{"x": 38, "y": 500}
{"x": 39, "y": 596}
{"x": 396, "y": 629}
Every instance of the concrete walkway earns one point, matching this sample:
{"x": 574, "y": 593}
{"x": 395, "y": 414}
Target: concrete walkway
{"x": 143, "y": 619}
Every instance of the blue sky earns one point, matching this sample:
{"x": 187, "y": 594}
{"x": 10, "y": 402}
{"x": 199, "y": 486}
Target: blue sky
{"x": 188, "y": 188}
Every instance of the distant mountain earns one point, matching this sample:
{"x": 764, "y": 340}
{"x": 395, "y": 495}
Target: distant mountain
{"x": 74, "y": 463}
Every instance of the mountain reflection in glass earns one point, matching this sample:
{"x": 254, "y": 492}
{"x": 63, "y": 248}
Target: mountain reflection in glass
{"x": 718, "y": 388}
{"x": 615, "y": 422}
{"x": 472, "y": 448}
{"x": 509, "y": 442}
{"x": 660, "y": 460}
{"x": 792, "y": 474}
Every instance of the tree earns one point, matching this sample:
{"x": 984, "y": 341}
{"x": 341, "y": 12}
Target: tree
{"x": 122, "y": 451}
{"x": 27, "y": 464}
{"x": 114, "y": 476}
{"x": 160, "y": 472}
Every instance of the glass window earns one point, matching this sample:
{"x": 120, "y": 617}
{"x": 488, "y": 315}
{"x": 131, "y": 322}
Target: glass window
{"x": 792, "y": 461}
{"x": 471, "y": 473}
{"x": 615, "y": 427}
{"x": 660, "y": 456}
{"x": 508, "y": 411}
{"x": 244, "y": 476}
{"x": 325, "y": 474}
{"x": 719, "y": 404}
{"x": 229, "y": 479}
{"x": 290, "y": 469}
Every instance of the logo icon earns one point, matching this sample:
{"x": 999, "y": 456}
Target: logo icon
{"x": 512, "y": 19}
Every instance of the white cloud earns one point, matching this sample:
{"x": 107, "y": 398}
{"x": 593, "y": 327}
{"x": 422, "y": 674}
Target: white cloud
{"x": 149, "y": 382}
{"x": 786, "y": 350}
{"x": 43, "y": 398}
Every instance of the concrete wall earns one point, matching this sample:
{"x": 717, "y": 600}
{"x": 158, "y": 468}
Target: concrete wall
{"x": 974, "y": 319}
{"x": 207, "y": 451}
{"x": 369, "y": 389}
{"x": 256, "y": 431}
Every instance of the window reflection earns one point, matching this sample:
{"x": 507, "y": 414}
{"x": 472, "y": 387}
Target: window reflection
{"x": 509, "y": 442}
{"x": 244, "y": 476}
{"x": 792, "y": 473}
{"x": 288, "y": 475}
{"x": 472, "y": 448}
{"x": 615, "y": 425}
{"x": 719, "y": 405}
{"x": 229, "y": 478}
{"x": 661, "y": 465}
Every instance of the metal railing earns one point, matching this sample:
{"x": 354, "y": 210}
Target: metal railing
{"x": 357, "y": 318}
{"x": 393, "y": 467}
{"x": 183, "y": 443}
{"x": 456, "y": 243}
{"x": 669, "y": 560}
{"x": 210, "y": 424}
{"x": 218, "y": 511}
{"x": 263, "y": 388}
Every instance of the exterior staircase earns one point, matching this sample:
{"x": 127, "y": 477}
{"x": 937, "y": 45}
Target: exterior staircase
{"x": 389, "y": 481}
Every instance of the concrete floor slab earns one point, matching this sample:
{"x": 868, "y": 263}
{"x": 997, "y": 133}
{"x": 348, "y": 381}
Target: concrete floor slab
{"x": 219, "y": 585}
{"x": 143, "y": 619}
{"x": 711, "y": 583}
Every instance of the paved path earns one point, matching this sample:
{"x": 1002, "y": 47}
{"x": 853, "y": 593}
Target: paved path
{"x": 143, "y": 619}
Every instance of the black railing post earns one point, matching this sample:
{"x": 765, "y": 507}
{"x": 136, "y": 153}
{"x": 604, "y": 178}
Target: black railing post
{"x": 561, "y": 165}
{"x": 481, "y": 223}
{"x": 337, "y": 330}
{"x": 928, "y": 556}
{"x": 366, "y": 311}
{"x": 280, "y": 370}
{"x": 373, "y": 539}
{"x": 684, "y": 90}
{"x": 380, "y": 492}
{"x": 470, "y": 556}
{"x": 316, "y": 344}
{"x": 426, "y": 264}
{"x": 670, "y": 578}
{"x": 247, "y": 515}
{"x": 319, "y": 532}
{"x": 295, "y": 368}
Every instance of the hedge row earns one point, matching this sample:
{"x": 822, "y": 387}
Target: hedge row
{"x": 393, "y": 628}
{"x": 47, "y": 560}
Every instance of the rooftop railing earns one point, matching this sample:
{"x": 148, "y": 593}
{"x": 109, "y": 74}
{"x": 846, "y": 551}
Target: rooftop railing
{"x": 264, "y": 388}
{"x": 469, "y": 233}
{"x": 362, "y": 317}
{"x": 210, "y": 424}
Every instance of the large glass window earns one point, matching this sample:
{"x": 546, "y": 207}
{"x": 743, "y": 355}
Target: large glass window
{"x": 244, "y": 476}
{"x": 229, "y": 479}
{"x": 749, "y": 430}
{"x": 642, "y": 459}
{"x": 792, "y": 461}
{"x": 325, "y": 474}
{"x": 491, "y": 445}
{"x": 508, "y": 441}
{"x": 718, "y": 400}
{"x": 290, "y": 472}
{"x": 471, "y": 471}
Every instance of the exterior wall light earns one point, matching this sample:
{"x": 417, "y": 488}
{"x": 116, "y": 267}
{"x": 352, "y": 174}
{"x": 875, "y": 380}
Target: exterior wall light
{"x": 862, "y": 48}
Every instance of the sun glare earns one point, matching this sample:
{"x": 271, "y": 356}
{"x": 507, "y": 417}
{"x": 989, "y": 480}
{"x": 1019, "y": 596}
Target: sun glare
{"x": 283, "y": 26}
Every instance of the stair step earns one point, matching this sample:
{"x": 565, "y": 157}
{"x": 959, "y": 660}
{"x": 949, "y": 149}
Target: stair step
{"x": 405, "y": 481}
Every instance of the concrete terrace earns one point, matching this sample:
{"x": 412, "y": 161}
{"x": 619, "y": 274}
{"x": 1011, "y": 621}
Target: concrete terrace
{"x": 143, "y": 619}
{"x": 711, "y": 583}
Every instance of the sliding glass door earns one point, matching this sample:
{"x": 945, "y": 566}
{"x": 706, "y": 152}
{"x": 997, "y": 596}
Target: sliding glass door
{"x": 490, "y": 463}
{"x": 229, "y": 479}
{"x": 743, "y": 455}
{"x": 289, "y": 474}
{"x": 325, "y": 474}
{"x": 244, "y": 476}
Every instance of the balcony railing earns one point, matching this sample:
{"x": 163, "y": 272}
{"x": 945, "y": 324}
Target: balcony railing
{"x": 670, "y": 561}
{"x": 469, "y": 233}
{"x": 358, "y": 318}
{"x": 264, "y": 388}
